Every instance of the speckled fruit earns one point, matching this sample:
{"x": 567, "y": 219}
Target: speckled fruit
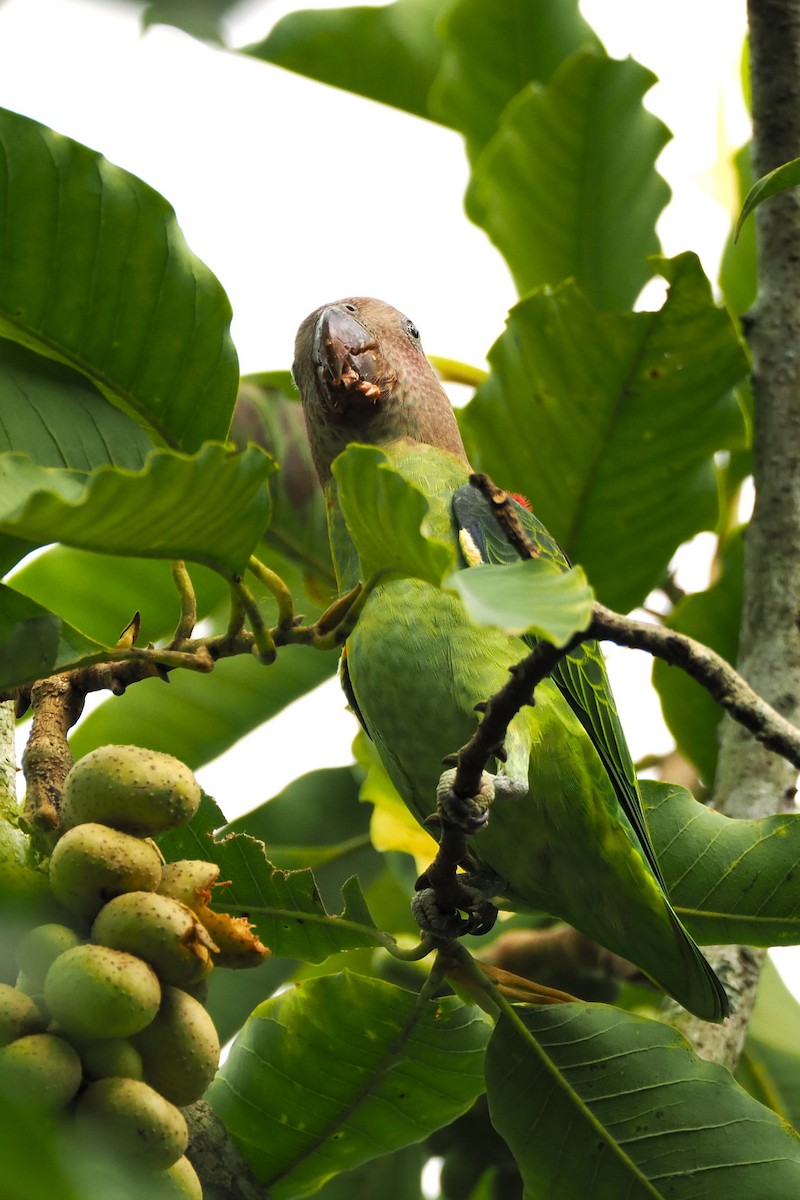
{"x": 92, "y": 863}
{"x": 41, "y": 1066}
{"x": 19, "y": 1015}
{"x": 162, "y": 931}
{"x": 95, "y": 992}
{"x": 131, "y": 1117}
{"x": 109, "y": 1057}
{"x": 189, "y": 880}
{"x": 179, "y": 1048}
{"x": 39, "y": 949}
{"x": 129, "y": 788}
{"x": 179, "y": 1182}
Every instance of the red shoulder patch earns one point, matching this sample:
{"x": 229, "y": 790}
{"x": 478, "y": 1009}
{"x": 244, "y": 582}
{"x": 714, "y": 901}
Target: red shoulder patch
{"x": 523, "y": 500}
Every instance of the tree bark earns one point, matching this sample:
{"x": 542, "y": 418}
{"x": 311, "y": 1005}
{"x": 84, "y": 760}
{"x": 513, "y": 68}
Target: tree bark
{"x": 752, "y": 782}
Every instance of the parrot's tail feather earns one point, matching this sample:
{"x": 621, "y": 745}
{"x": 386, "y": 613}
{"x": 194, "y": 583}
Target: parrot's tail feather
{"x": 704, "y": 994}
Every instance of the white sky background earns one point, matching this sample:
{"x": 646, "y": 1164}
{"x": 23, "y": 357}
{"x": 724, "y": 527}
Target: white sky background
{"x": 295, "y": 193}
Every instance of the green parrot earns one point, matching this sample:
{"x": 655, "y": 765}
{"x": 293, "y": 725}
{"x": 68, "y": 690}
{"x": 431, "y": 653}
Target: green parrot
{"x": 566, "y": 833}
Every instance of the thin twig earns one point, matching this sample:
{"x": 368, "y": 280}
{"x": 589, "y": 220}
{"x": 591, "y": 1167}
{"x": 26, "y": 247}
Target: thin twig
{"x": 274, "y": 584}
{"x": 185, "y": 588}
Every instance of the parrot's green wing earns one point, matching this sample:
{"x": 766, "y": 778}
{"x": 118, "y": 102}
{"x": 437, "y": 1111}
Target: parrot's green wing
{"x": 581, "y": 675}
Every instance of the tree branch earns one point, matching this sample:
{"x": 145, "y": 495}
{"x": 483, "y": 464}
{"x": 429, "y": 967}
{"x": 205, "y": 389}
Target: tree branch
{"x": 727, "y": 687}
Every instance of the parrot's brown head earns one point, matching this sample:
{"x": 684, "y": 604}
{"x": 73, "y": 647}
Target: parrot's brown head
{"x": 363, "y": 377}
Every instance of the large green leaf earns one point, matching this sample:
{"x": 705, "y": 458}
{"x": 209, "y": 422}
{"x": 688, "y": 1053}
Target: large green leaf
{"x": 99, "y": 593}
{"x": 197, "y": 717}
{"x": 567, "y": 187}
{"x": 284, "y": 906}
{"x": 59, "y": 419}
{"x": 210, "y": 508}
{"x": 614, "y": 445}
{"x": 597, "y": 1102}
{"x": 385, "y": 515}
{"x": 770, "y": 1065}
{"x": 340, "y": 1070}
{"x": 526, "y": 597}
{"x": 94, "y": 272}
{"x": 34, "y": 642}
{"x": 729, "y": 881}
{"x": 390, "y": 53}
{"x": 713, "y": 618}
{"x": 492, "y": 51}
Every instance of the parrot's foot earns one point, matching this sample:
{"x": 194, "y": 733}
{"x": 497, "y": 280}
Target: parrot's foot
{"x": 471, "y": 813}
{"x": 473, "y": 911}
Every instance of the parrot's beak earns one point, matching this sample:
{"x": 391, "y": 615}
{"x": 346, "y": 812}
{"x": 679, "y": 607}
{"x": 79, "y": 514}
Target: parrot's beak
{"x": 345, "y": 357}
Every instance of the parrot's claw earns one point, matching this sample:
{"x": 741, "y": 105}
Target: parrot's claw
{"x": 479, "y": 914}
{"x": 471, "y": 813}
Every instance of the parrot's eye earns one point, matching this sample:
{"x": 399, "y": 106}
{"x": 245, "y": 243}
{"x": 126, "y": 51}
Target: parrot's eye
{"x": 412, "y": 330}
{"x": 351, "y": 308}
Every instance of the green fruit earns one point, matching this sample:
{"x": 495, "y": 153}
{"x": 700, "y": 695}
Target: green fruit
{"x": 179, "y": 1048}
{"x": 181, "y": 1182}
{"x": 38, "y": 950}
{"x": 19, "y": 1015}
{"x": 95, "y": 992}
{"x": 134, "y": 1120}
{"x": 109, "y": 1057}
{"x": 189, "y": 880}
{"x": 162, "y": 931}
{"x": 42, "y": 1067}
{"x": 92, "y": 863}
{"x": 129, "y": 788}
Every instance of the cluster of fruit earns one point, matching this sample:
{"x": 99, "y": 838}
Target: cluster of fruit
{"x": 106, "y": 1020}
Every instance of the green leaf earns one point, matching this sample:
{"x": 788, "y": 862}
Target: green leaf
{"x": 393, "y": 1177}
{"x": 385, "y": 515}
{"x": 567, "y": 187}
{"x": 319, "y": 822}
{"x": 197, "y": 718}
{"x": 390, "y": 53}
{"x": 770, "y": 1066}
{"x": 204, "y": 19}
{"x": 738, "y": 268}
{"x": 210, "y": 508}
{"x": 780, "y": 180}
{"x": 99, "y": 593}
{"x": 614, "y": 446}
{"x": 284, "y": 906}
{"x": 526, "y": 597}
{"x": 597, "y": 1102}
{"x": 59, "y": 419}
{"x": 711, "y": 617}
{"x": 34, "y": 642}
{"x": 729, "y": 881}
{"x": 95, "y": 273}
{"x": 491, "y": 52}
{"x": 340, "y": 1070}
